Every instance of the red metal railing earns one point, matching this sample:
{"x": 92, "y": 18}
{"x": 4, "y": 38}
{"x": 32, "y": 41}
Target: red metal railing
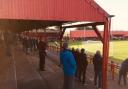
{"x": 113, "y": 67}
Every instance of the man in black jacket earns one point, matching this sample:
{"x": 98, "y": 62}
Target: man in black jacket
{"x": 42, "y": 53}
{"x": 97, "y": 62}
{"x": 83, "y": 65}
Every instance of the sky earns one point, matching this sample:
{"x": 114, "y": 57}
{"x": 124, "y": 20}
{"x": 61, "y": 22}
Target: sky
{"x": 119, "y": 8}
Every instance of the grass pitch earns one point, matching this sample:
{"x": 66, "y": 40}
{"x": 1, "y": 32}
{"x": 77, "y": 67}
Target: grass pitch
{"x": 118, "y": 49}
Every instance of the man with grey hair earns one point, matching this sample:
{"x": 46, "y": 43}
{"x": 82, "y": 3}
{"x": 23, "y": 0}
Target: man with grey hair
{"x": 69, "y": 67}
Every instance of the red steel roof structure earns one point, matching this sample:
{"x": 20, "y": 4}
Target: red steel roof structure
{"x": 82, "y": 33}
{"x": 57, "y": 12}
{"x": 91, "y": 33}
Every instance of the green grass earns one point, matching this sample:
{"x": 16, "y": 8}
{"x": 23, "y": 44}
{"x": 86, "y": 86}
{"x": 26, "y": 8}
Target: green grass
{"x": 118, "y": 49}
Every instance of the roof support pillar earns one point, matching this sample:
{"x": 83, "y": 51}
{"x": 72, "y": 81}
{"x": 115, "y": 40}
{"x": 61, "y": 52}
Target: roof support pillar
{"x": 106, "y": 37}
{"x": 62, "y": 32}
{"x": 98, "y": 33}
{"x": 61, "y": 36}
{"x": 45, "y": 35}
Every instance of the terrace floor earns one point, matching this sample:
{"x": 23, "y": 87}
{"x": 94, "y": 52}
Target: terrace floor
{"x": 20, "y": 71}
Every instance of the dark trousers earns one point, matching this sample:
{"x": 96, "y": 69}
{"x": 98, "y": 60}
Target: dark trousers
{"x": 82, "y": 73}
{"x": 98, "y": 78}
{"x": 68, "y": 82}
{"x": 77, "y": 73}
{"x": 124, "y": 75}
{"x": 26, "y": 50}
{"x": 42, "y": 61}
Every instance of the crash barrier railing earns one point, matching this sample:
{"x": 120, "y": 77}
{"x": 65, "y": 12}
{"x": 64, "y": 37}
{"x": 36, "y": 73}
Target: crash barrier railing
{"x": 113, "y": 67}
{"x": 54, "y": 48}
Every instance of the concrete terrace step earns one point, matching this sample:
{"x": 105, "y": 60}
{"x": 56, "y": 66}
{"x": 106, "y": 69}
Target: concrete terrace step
{"x": 54, "y": 74}
{"x": 21, "y": 72}
{"x": 27, "y": 77}
{"x": 17, "y": 73}
{"x": 7, "y": 72}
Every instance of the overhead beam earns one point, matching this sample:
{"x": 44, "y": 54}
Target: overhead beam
{"x": 62, "y": 33}
{"x": 98, "y": 33}
{"x": 84, "y": 25}
{"x": 25, "y": 25}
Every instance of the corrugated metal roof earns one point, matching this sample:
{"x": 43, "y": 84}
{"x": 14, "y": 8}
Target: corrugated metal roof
{"x": 91, "y": 33}
{"x": 82, "y": 33}
{"x": 59, "y": 10}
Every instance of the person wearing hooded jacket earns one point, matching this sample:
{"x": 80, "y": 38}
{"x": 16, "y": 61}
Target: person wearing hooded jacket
{"x": 69, "y": 67}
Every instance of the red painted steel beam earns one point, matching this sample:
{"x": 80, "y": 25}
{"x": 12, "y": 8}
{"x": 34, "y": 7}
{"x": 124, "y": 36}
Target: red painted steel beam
{"x": 45, "y": 35}
{"x": 62, "y": 33}
{"x": 62, "y": 30}
{"x": 106, "y": 38}
{"x": 85, "y": 24}
{"x": 98, "y": 33}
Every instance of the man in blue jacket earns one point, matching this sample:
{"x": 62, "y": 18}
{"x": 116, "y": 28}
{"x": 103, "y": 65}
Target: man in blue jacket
{"x": 69, "y": 67}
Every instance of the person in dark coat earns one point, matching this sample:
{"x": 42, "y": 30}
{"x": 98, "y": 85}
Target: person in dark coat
{"x": 97, "y": 62}
{"x": 35, "y": 44}
{"x": 42, "y": 53}
{"x": 73, "y": 52}
{"x": 26, "y": 44}
{"x": 83, "y": 65}
{"x": 77, "y": 59}
{"x": 123, "y": 71}
{"x": 31, "y": 42}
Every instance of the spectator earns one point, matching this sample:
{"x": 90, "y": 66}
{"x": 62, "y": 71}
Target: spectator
{"x": 97, "y": 62}
{"x": 42, "y": 53}
{"x": 69, "y": 67}
{"x": 73, "y": 51}
{"x": 83, "y": 65}
{"x": 26, "y": 43}
{"x": 77, "y": 59}
{"x": 123, "y": 71}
